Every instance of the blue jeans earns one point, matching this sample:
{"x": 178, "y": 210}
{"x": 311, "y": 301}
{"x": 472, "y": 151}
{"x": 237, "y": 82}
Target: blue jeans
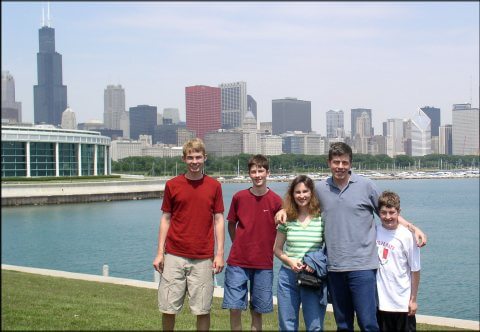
{"x": 290, "y": 295}
{"x": 236, "y": 290}
{"x": 354, "y": 291}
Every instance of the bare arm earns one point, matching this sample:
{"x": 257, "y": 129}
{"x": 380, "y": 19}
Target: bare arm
{"x": 412, "y": 305}
{"x": 218, "y": 261}
{"x": 232, "y": 229}
{"x": 420, "y": 237}
{"x": 295, "y": 264}
{"x": 162, "y": 236}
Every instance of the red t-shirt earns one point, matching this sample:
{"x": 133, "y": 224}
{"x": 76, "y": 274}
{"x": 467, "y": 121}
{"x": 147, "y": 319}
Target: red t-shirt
{"x": 192, "y": 204}
{"x": 256, "y": 230}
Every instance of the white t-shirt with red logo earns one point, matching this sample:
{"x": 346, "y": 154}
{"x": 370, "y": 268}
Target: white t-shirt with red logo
{"x": 398, "y": 255}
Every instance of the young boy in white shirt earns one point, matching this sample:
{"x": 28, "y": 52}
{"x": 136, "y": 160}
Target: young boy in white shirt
{"x": 398, "y": 276}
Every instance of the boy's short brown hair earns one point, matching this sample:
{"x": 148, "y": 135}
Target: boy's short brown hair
{"x": 195, "y": 145}
{"x": 258, "y": 160}
{"x": 389, "y": 199}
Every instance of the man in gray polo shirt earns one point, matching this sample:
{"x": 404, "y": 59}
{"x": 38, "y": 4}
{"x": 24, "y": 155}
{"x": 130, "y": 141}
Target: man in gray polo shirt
{"x": 348, "y": 203}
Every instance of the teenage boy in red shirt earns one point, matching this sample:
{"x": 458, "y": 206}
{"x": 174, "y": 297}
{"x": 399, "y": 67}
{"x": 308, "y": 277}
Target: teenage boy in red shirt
{"x": 192, "y": 212}
{"x": 252, "y": 229}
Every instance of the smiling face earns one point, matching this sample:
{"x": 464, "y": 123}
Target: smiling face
{"x": 302, "y": 195}
{"x": 340, "y": 167}
{"x": 195, "y": 161}
{"x": 258, "y": 175}
{"x": 389, "y": 217}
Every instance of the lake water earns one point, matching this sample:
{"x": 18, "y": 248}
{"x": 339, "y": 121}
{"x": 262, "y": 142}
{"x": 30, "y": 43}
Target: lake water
{"x": 83, "y": 237}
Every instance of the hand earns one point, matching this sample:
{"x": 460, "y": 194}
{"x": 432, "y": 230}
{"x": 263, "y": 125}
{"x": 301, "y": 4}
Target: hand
{"x": 158, "y": 263}
{"x": 309, "y": 269}
{"x": 412, "y": 308}
{"x": 280, "y": 217}
{"x": 218, "y": 264}
{"x": 296, "y": 265}
{"x": 420, "y": 237}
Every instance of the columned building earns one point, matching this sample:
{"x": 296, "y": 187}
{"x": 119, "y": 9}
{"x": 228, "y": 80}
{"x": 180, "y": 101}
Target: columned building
{"x": 49, "y": 95}
{"x": 203, "y": 109}
{"x": 44, "y": 150}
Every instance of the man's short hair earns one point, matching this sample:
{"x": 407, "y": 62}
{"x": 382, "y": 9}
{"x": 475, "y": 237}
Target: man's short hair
{"x": 339, "y": 149}
{"x": 389, "y": 199}
{"x": 258, "y": 160}
{"x": 194, "y": 145}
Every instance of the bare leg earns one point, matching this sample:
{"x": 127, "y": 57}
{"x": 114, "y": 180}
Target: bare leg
{"x": 203, "y": 322}
{"x": 168, "y": 322}
{"x": 235, "y": 319}
{"x": 256, "y": 321}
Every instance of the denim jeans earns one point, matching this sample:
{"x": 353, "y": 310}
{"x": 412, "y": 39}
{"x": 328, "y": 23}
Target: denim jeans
{"x": 290, "y": 296}
{"x": 236, "y": 290}
{"x": 354, "y": 291}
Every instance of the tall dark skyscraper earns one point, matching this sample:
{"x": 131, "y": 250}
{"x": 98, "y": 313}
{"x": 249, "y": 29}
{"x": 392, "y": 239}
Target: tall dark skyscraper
{"x": 434, "y": 114}
{"x": 143, "y": 120}
{"x": 291, "y": 114}
{"x": 49, "y": 95}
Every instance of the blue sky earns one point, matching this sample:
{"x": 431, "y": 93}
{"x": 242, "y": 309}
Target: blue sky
{"x": 392, "y": 57}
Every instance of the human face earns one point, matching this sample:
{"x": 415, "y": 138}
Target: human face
{"x": 340, "y": 167}
{"x": 302, "y": 195}
{"x": 258, "y": 175}
{"x": 389, "y": 217}
{"x": 195, "y": 162}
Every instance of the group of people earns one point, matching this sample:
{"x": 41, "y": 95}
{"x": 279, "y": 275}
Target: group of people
{"x": 373, "y": 271}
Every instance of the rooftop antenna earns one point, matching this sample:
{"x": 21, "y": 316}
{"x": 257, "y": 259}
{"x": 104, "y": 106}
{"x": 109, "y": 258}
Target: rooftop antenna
{"x": 48, "y": 14}
{"x": 43, "y": 17}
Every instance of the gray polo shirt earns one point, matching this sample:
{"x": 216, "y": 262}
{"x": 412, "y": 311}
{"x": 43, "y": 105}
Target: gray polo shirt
{"x": 350, "y": 223}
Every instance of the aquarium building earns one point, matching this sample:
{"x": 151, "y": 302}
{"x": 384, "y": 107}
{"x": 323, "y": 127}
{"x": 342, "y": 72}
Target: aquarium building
{"x": 44, "y": 150}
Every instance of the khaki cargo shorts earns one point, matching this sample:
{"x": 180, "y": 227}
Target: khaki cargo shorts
{"x": 185, "y": 275}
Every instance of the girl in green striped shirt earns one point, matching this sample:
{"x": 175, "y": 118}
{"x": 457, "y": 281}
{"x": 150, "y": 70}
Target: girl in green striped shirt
{"x": 302, "y": 233}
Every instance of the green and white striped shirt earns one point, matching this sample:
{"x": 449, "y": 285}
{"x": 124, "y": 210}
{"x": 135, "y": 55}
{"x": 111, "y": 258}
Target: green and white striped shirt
{"x": 301, "y": 239}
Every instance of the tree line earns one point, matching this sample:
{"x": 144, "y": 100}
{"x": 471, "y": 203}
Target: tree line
{"x": 292, "y": 164}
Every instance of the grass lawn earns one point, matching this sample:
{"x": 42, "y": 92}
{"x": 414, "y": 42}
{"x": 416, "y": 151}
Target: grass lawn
{"x": 36, "y": 302}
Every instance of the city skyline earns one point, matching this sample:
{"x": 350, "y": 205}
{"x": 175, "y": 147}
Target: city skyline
{"x": 391, "y": 58}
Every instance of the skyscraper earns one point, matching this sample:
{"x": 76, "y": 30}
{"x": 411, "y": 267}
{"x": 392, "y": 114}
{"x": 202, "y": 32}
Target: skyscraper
{"x": 357, "y": 113}
{"x": 394, "y": 137}
{"x": 465, "y": 130}
{"x": 203, "y": 109}
{"x": 49, "y": 95}
{"x": 419, "y": 135}
{"x": 434, "y": 114}
{"x": 291, "y": 114}
{"x": 445, "y": 139}
{"x": 335, "y": 127}
{"x": 11, "y": 109}
{"x": 69, "y": 120}
{"x": 234, "y": 104}
{"x": 172, "y": 114}
{"x": 113, "y": 106}
{"x": 252, "y": 106}
{"x": 143, "y": 120}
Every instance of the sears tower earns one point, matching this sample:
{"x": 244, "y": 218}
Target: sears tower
{"x": 50, "y": 95}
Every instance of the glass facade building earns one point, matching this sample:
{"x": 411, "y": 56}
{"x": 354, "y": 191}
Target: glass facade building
{"x": 49, "y": 151}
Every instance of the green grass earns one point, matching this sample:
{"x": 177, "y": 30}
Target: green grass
{"x": 36, "y": 302}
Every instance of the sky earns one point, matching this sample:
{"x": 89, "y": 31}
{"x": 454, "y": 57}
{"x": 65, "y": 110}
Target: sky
{"x": 391, "y": 57}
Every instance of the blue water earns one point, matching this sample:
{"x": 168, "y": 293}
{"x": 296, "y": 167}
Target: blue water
{"x": 83, "y": 237}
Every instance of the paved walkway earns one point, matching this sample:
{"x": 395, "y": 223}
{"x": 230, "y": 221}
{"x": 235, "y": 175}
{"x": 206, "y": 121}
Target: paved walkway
{"x": 218, "y": 292}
